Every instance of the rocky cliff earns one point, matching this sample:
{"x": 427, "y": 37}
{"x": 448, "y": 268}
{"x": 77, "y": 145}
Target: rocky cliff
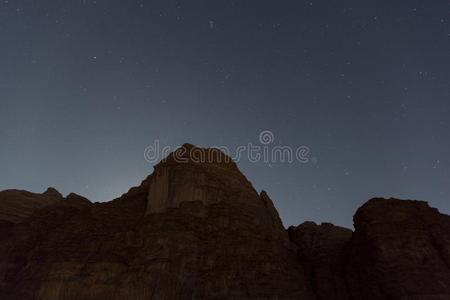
{"x": 16, "y": 205}
{"x": 197, "y": 229}
{"x": 400, "y": 250}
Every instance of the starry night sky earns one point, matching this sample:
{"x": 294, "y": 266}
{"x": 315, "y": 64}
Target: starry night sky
{"x": 85, "y": 86}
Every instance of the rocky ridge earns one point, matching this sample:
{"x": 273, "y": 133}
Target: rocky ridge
{"x": 197, "y": 229}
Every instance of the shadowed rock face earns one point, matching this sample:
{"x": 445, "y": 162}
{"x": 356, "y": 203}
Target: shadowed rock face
{"x": 197, "y": 174}
{"x": 321, "y": 252}
{"x": 198, "y": 230}
{"x": 16, "y": 205}
{"x": 212, "y": 236}
{"x": 400, "y": 250}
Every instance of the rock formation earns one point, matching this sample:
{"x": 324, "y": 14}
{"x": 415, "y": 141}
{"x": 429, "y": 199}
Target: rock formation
{"x": 400, "y": 250}
{"x": 321, "y": 252}
{"x": 16, "y": 205}
{"x": 197, "y": 174}
{"x": 197, "y": 229}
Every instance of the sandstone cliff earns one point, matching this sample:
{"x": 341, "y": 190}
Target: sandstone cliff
{"x": 16, "y": 205}
{"x": 197, "y": 229}
{"x": 400, "y": 250}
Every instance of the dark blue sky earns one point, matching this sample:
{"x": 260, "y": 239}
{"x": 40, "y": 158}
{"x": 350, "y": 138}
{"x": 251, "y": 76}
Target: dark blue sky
{"x": 85, "y": 86}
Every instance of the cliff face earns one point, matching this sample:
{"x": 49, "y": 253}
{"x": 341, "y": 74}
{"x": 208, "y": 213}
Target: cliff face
{"x": 191, "y": 230}
{"x": 197, "y": 229}
{"x": 321, "y": 252}
{"x": 196, "y": 174}
{"x": 400, "y": 250}
{"x": 16, "y": 205}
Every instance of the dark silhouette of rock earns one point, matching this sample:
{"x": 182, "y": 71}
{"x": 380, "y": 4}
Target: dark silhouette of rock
{"x": 211, "y": 236}
{"x": 197, "y": 174}
{"x": 16, "y": 205}
{"x": 197, "y": 229}
{"x": 320, "y": 251}
{"x": 77, "y": 200}
{"x": 52, "y": 192}
{"x": 400, "y": 250}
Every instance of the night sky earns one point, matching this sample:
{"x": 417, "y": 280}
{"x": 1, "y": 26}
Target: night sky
{"x": 85, "y": 86}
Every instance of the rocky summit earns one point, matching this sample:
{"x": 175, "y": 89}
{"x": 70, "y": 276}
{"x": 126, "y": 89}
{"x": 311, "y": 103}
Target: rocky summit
{"x": 197, "y": 229}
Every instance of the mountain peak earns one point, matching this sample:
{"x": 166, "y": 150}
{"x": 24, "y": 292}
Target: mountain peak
{"x": 207, "y": 234}
{"x": 192, "y": 173}
{"x": 52, "y": 192}
{"x": 191, "y": 154}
